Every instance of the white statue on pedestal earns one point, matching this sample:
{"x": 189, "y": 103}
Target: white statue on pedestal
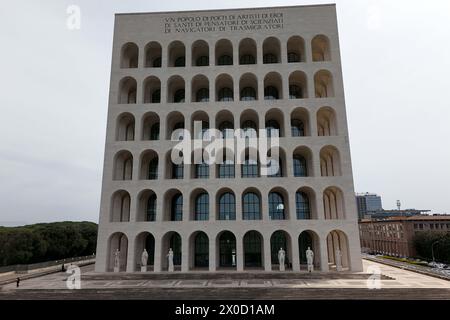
{"x": 338, "y": 255}
{"x": 170, "y": 257}
{"x": 117, "y": 261}
{"x": 281, "y": 257}
{"x": 310, "y": 259}
{"x": 144, "y": 260}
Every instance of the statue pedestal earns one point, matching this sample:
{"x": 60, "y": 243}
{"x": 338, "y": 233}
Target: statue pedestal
{"x": 338, "y": 268}
{"x": 282, "y": 267}
{"x": 171, "y": 269}
{"x": 310, "y": 268}
{"x": 143, "y": 268}
{"x": 116, "y": 269}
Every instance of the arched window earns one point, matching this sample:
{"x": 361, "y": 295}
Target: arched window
{"x": 250, "y": 129}
{"x": 270, "y": 58}
{"x": 247, "y": 59}
{"x": 153, "y": 169}
{"x": 154, "y": 132}
{"x": 151, "y": 208}
{"x": 248, "y": 94}
{"x": 272, "y": 128}
{"x": 252, "y": 249}
{"x": 157, "y": 62}
{"x": 302, "y": 206}
{"x": 177, "y": 171}
{"x": 180, "y": 62}
{"x": 227, "y": 249}
{"x": 201, "y": 245}
{"x": 250, "y": 167}
{"x": 295, "y": 92}
{"x": 276, "y": 206}
{"x": 175, "y": 244}
{"x": 202, "y": 170}
{"x": 300, "y": 166}
{"x": 225, "y": 60}
{"x": 278, "y": 241}
{"x": 275, "y": 169}
{"x": 202, "y": 207}
{"x": 271, "y": 93}
{"x": 225, "y": 94}
{"x": 179, "y": 96}
{"x": 202, "y": 95}
{"x": 227, "y": 130}
{"x": 202, "y": 61}
{"x": 226, "y": 168}
{"x": 293, "y": 57}
{"x": 297, "y": 128}
{"x": 227, "y": 207}
{"x": 251, "y": 206}
{"x": 176, "y": 212}
{"x": 156, "y": 96}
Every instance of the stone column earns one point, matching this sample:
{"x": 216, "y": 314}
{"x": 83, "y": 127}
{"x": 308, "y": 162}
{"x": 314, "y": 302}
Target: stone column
{"x": 184, "y": 254}
{"x": 324, "y": 254}
{"x": 158, "y": 254}
{"x": 212, "y": 254}
{"x": 131, "y": 259}
{"x": 239, "y": 254}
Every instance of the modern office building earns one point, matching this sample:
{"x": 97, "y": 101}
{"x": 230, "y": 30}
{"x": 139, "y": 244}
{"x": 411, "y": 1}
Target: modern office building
{"x": 367, "y": 203}
{"x": 394, "y": 236}
{"x": 256, "y": 75}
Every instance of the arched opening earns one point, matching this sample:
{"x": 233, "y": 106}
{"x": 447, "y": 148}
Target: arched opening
{"x": 302, "y": 162}
{"x": 276, "y": 162}
{"x": 175, "y": 165}
{"x": 296, "y": 49}
{"x": 248, "y": 87}
{"x": 251, "y": 205}
{"x": 247, "y": 51}
{"x": 145, "y": 240}
{"x": 118, "y": 245}
{"x": 323, "y": 84}
{"x": 125, "y": 127}
{"x": 326, "y": 122}
{"x": 253, "y": 250}
{"x": 200, "y": 164}
{"x": 224, "y": 53}
{"x": 250, "y": 167}
{"x": 152, "y": 90}
{"x": 127, "y": 91}
{"x": 225, "y": 124}
{"x": 249, "y": 124}
{"x": 338, "y": 251}
{"x": 280, "y": 240}
{"x": 305, "y": 204}
{"x": 271, "y": 51}
{"x": 200, "y": 54}
{"x": 225, "y": 164}
{"x": 150, "y": 126}
{"x": 298, "y": 85}
{"x": 173, "y": 206}
{"x": 278, "y": 208}
{"x": 226, "y": 205}
{"x": 274, "y": 123}
{"x": 129, "y": 55}
{"x": 147, "y": 204}
{"x": 175, "y": 126}
{"x": 300, "y": 123}
{"x": 200, "y": 125}
{"x": 199, "y": 205}
{"x": 199, "y": 251}
{"x": 226, "y": 250}
{"x": 330, "y": 162}
{"x": 224, "y": 88}
{"x": 175, "y": 90}
{"x": 273, "y": 86}
{"x": 177, "y": 54}
{"x": 171, "y": 240}
{"x": 321, "y": 48}
{"x": 149, "y": 165}
{"x": 309, "y": 239}
{"x": 333, "y": 203}
{"x": 153, "y": 54}
{"x": 123, "y": 165}
{"x": 120, "y": 206}
{"x": 200, "y": 89}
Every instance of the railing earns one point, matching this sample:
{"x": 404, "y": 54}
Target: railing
{"x": 24, "y": 268}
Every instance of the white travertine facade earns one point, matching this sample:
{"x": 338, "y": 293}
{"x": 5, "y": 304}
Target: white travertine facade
{"x": 276, "y": 68}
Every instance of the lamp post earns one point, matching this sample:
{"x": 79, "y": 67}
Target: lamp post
{"x": 432, "y": 248}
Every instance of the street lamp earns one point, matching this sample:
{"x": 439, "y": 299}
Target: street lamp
{"x": 432, "y": 248}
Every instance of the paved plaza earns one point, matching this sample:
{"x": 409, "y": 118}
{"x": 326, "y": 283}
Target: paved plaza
{"x": 395, "y": 283}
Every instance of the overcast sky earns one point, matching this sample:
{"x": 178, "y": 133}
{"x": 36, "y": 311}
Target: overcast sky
{"x": 54, "y": 97}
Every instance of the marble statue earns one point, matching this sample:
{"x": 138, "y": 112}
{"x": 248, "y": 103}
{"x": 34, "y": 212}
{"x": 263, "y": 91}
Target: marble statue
{"x": 338, "y": 255}
{"x": 117, "y": 260}
{"x": 310, "y": 259}
{"x": 144, "y": 260}
{"x": 281, "y": 258}
{"x": 170, "y": 257}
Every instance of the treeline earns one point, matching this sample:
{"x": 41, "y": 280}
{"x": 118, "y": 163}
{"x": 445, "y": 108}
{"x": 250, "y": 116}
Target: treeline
{"x": 424, "y": 240}
{"x": 46, "y": 241}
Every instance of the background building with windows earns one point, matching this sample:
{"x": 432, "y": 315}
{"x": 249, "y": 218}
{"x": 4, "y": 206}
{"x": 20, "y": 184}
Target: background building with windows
{"x": 273, "y": 69}
{"x": 368, "y": 203}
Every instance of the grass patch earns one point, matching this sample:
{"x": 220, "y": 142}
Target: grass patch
{"x": 416, "y": 263}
